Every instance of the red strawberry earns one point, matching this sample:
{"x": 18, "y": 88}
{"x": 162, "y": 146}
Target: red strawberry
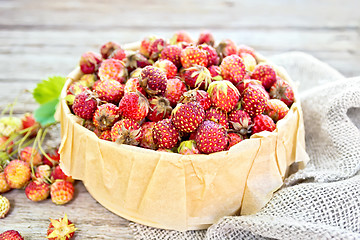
{"x": 105, "y": 116}
{"x": 223, "y": 95}
{"x": 188, "y": 148}
{"x": 263, "y": 123}
{"x": 226, "y": 48}
{"x": 106, "y": 135}
{"x": 54, "y": 158}
{"x": 217, "y": 115}
{"x": 37, "y": 191}
{"x": 212, "y": 56}
{"x": 187, "y": 117}
{"x": 266, "y": 74}
{"x": 245, "y": 83}
{"x": 28, "y": 121}
{"x": 89, "y": 62}
{"x": 246, "y": 49}
{"x": 207, "y": 38}
{"x": 254, "y": 100}
{"x": 156, "y": 47}
{"x": 136, "y": 60}
{"x": 112, "y": 69}
{"x": 153, "y": 80}
{"x": 240, "y": 121}
{"x": 11, "y": 235}
{"x": 174, "y": 90}
{"x": 85, "y": 105}
{"x": 199, "y": 96}
{"x": 133, "y": 85}
{"x": 283, "y": 91}
{"x": 167, "y": 66}
{"x": 215, "y": 72}
{"x": 181, "y": 36}
{"x": 126, "y": 131}
{"x": 165, "y": 134}
{"x": 172, "y": 53}
{"x": 57, "y": 173}
{"x": 31, "y": 155}
{"x": 145, "y": 45}
{"x": 233, "y": 69}
{"x": 159, "y": 109}
{"x": 234, "y": 138}
{"x": 147, "y": 139}
{"x": 4, "y": 186}
{"x": 211, "y": 137}
{"x": 193, "y": 56}
{"x": 196, "y": 77}
{"x": 276, "y": 109}
{"x": 108, "y": 48}
{"x": 61, "y": 192}
{"x": 17, "y": 173}
{"x": 61, "y": 229}
{"x": 134, "y": 105}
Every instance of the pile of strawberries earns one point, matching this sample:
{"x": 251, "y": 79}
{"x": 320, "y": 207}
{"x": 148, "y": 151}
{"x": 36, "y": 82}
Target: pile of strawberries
{"x": 178, "y": 95}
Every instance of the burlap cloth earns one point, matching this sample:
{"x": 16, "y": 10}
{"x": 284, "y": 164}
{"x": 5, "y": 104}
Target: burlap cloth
{"x": 323, "y": 200}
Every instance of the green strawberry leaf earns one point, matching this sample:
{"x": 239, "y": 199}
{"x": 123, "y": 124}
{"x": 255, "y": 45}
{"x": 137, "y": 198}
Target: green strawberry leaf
{"x": 45, "y": 113}
{"x": 48, "y": 89}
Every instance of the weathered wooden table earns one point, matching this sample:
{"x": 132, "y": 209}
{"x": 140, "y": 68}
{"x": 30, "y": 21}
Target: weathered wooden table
{"x": 43, "y": 38}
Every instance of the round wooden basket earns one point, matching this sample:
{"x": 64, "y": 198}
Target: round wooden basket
{"x": 182, "y": 192}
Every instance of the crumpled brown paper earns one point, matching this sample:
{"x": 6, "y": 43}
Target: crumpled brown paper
{"x": 181, "y": 192}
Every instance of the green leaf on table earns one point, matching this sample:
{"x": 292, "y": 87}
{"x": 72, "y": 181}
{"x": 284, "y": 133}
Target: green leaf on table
{"x": 48, "y": 89}
{"x": 45, "y": 113}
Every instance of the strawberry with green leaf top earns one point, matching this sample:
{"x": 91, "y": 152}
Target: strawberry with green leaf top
{"x": 197, "y": 77}
{"x": 192, "y": 55}
{"x": 223, "y": 95}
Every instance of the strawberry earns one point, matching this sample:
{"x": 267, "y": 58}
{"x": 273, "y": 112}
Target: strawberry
{"x": 211, "y": 137}
{"x": 36, "y": 191}
{"x": 4, "y": 186}
{"x": 188, "y": 116}
{"x": 42, "y": 173}
{"x": 61, "y": 192}
{"x": 254, "y": 100}
{"x": 223, "y": 95}
{"x": 61, "y": 229}
{"x": 188, "y": 148}
{"x": 215, "y": 72}
{"x": 112, "y": 69}
{"x": 110, "y": 91}
{"x": 159, "y": 109}
{"x": 165, "y": 134}
{"x": 126, "y": 131}
{"x": 174, "y": 90}
{"x": 283, "y": 91}
{"x": 172, "y": 53}
{"x": 134, "y": 105}
{"x": 57, "y": 173}
{"x": 217, "y": 115}
{"x": 207, "y": 38}
{"x": 54, "y": 158}
{"x": 89, "y": 62}
{"x": 240, "y": 121}
{"x": 233, "y": 69}
{"x": 105, "y": 116}
{"x": 147, "y": 139}
{"x": 153, "y": 80}
{"x": 106, "y": 135}
{"x": 11, "y": 235}
{"x": 226, "y": 48}
{"x": 266, "y": 74}
{"x": 276, "y": 109}
{"x": 135, "y": 60}
{"x": 249, "y": 61}
{"x": 133, "y": 85}
{"x": 245, "y": 83}
{"x": 199, "y": 96}
{"x": 156, "y": 47}
{"x": 212, "y": 56}
{"x": 31, "y": 155}
{"x": 75, "y": 89}
{"x": 167, "y": 66}
{"x": 181, "y": 36}
{"x": 234, "y": 138}
{"x": 144, "y": 48}
{"x": 17, "y": 173}
{"x": 108, "y": 48}
{"x": 196, "y": 77}
{"x": 85, "y": 105}
{"x": 28, "y": 121}
{"x": 192, "y": 55}
{"x": 263, "y": 123}
{"x": 245, "y": 49}
{"x": 4, "y": 206}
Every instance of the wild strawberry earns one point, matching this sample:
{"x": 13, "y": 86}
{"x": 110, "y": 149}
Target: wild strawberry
{"x": 106, "y": 135}
{"x": 196, "y": 77}
{"x": 61, "y": 192}
{"x": 126, "y": 131}
{"x": 144, "y": 48}
{"x": 187, "y": 117}
{"x": 249, "y": 61}
{"x": 9, "y": 125}
{"x": 226, "y": 48}
{"x": 181, "y": 36}
{"x": 153, "y": 80}
{"x": 147, "y": 139}
{"x": 266, "y": 74}
{"x": 167, "y": 66}
{"x": 223, "y": 95}
{"x": 211, "y": 137}
{"x": 159, "y": 109}
{"x": 233, "y": 69}
{"x": 89, "y": 62}
{"x": 234, "y": 138}
{"x": 108, "y": 48}
{"x": 112, "y": 69}
{"x": 199, "y": 96}
{"x": 207, "y": 38}
{"x": 215, "y": 72}
{"x": 11, "y": 235}
{"x": 110, "y": 91}
{"x": 254, "y": 100}
{"x": 188, "y": 148}
{"x": 193, "y": 56}
{"x": 31, "y": 155}
{"x": 28, "y": 121}
{"x": 217, "y": 115}
{"x": 276, "y": 109}
{"x": 156, "y": 47}
{"x": 165, "y": 134}
{"x": 4, "y": 186}
{"x": 133, "y": 85}
{"x": 4, "y": 207}
{"x": 105, "y": 116}
{"x": 134, "y": 105}
{"x": 172, "y": 53}
{"x": 57, "y": 173}
{"x": 263, "y": 123}
{"x": 240, "y": 121}
{"x": 42, "y": 173}
{"x": 87, "y": 80}
{"x": 61, "y": 229}
{"x": 136, "y": 60}
{"x": 245, "y": 49}
{"x": 75, "y": 89}
{"x": 213, "y": 58}
{"x": 17, "y": 173}
{"x": 246, "y": 82}
{"x": 54, "y": 158}
{"x": 37, "y": 191}
{"x": 283, "y": 91}
{"x": 174, "y": 90}
{"x": 85, "y": 105}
